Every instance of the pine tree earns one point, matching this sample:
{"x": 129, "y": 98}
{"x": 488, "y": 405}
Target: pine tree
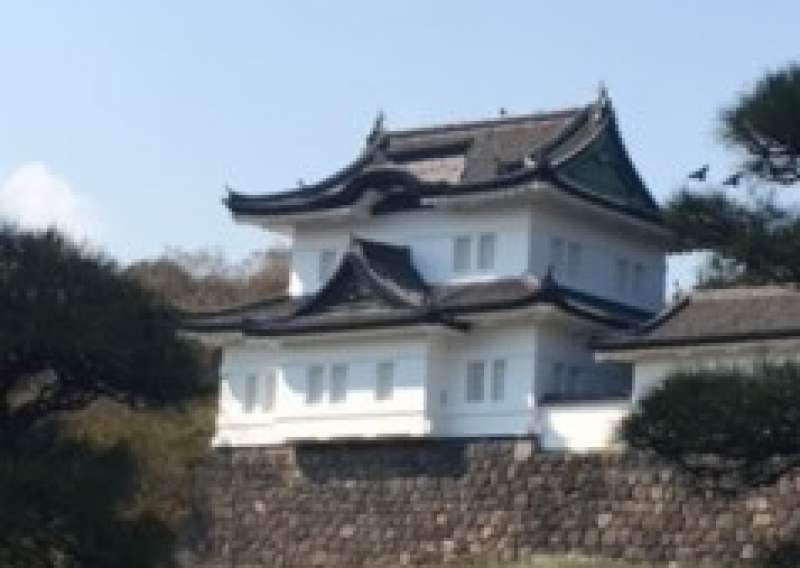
{"x": 753, "y": 241}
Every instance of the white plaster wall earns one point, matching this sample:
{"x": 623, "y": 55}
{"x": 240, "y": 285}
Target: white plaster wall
{"x": 430, "y": 235}
{"x": 512, "y": 415}
{"x": 650, "y": 372}
{"x": 602, "y": 245}
{"x": 426, "y": 366}
{"x": 292, "y": 418}
{"x": 580, "y": 426}
{"x": 556, "y": 343}
{"x": 648, "y": 375}
{"x": 523, "y": 241}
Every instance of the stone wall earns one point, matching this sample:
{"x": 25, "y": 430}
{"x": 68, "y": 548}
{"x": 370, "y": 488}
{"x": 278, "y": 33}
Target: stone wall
{"x": 428, "y": 502}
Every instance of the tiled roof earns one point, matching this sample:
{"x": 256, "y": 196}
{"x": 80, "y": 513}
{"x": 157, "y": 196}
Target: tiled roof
{"x": 376, "y": 285}
{"x": 578, "y": 150}
{"x": 719, "y": 316}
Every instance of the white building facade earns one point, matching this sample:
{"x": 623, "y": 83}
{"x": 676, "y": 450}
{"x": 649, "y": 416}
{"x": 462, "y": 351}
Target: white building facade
{"x": 449, "y": 283}
{"x": 741, "y": 327}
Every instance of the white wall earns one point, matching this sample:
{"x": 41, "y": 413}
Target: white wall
{"x": 523, "y": 234}
{"x": 513, "y": 414}
{"x": 580, "y": 426}
{"x": 650, "y": 372}
{"x": 601, "y": 246}
{"x": 430, "y": 235}
{"x": 559, "y": 344}
{"x": 429, "y": 395}
{"x": 292, "y": 418}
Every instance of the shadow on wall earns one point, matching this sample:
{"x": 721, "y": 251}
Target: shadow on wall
{"x": 381, "y": 459}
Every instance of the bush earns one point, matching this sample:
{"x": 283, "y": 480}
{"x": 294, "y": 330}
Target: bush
{"x": 745, "y": 419}
{"x": 785, "y": 555}
{"x": 163, "y": 444}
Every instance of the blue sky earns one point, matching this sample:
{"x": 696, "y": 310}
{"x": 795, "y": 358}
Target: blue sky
{"x": 125, "y": 120}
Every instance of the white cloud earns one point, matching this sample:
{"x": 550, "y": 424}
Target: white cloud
{"x": 36, "y": 198}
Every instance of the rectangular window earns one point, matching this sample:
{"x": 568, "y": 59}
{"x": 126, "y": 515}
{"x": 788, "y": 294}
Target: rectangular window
{"x": 338, "y": 382}
{"x": 622, "y": 276}
{"x": 574, "y": 260}
{"x": 556, "y": 254}
{"x": 498, "y": 380}
{"x": 475, "y": 376}
{"x": 270, "y": 387}
{"x": 573, "y": 386}
{"x": 443, "y": 398}
{"x": 639, "y": 276}
{"x": 384, "y": 387}
{"x": 314, "y": 384}
{"x": 462, "y": 254}
{"x": 250, "y": 393}
{"x": 327, "y": 264}
{"x": 486, "y": 246}
{"x": 557, "y": 379}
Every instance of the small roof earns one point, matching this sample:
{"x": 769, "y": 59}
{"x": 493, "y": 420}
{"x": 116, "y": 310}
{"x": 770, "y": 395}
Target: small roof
{"x": 577, "y": 150}
{"x": 718, "y": 316}
{"x": 376, "y": 286}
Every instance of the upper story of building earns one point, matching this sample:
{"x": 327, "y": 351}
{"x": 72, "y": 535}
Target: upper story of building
{"x": 511, "y": 197}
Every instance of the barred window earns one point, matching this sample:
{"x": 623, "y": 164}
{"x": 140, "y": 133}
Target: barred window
{"x": 639, "y": 279}
{"x": 384, "y": 387}
{"x": 475, "y": 377}
{"x": 338, "y": 382}
{"x": 556, "y": 255}
{"x": 250, "y": 393}
{"x": 270, "y": 388}
{"x": 498, "y": 379}
{"x": 462, "y": 254}
{"x": 622, "y": 276}
{"x": 486, "y": 249}
{"x": 314, "y": 384}
{"x": 574, "y": 260}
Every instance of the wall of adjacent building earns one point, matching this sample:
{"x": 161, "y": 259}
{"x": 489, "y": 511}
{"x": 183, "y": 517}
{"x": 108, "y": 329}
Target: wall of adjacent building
{"x": 650, "y": 370}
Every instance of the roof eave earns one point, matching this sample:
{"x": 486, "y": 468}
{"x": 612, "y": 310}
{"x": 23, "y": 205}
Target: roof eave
{"x": 633, "y": 349}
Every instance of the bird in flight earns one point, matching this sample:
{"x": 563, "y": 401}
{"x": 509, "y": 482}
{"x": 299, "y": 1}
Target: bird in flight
{"x": 733, "y": 179}
{"x": 700, "y": 174}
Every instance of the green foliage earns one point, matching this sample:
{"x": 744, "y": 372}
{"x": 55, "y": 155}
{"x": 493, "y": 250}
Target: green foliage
{"x": 754, "y": 243}
{"x": 110, "y": 486}
{"x": 74, "y": 328}
{"x": 746, "y": 420}
{"x": 106, "y": 483}
{"x": 164, "y": 445}
{"x": 61, "y": 507}
{"x": 764, "y": 122}
{"x": 785, "y": 555}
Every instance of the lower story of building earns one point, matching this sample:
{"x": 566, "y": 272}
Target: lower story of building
{"x": 524, "y": 378}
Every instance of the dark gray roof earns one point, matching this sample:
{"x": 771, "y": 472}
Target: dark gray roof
{"x": 718, "y": 316}
{"x": 579, "y": 150}
{"x": 376, "y": 285}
